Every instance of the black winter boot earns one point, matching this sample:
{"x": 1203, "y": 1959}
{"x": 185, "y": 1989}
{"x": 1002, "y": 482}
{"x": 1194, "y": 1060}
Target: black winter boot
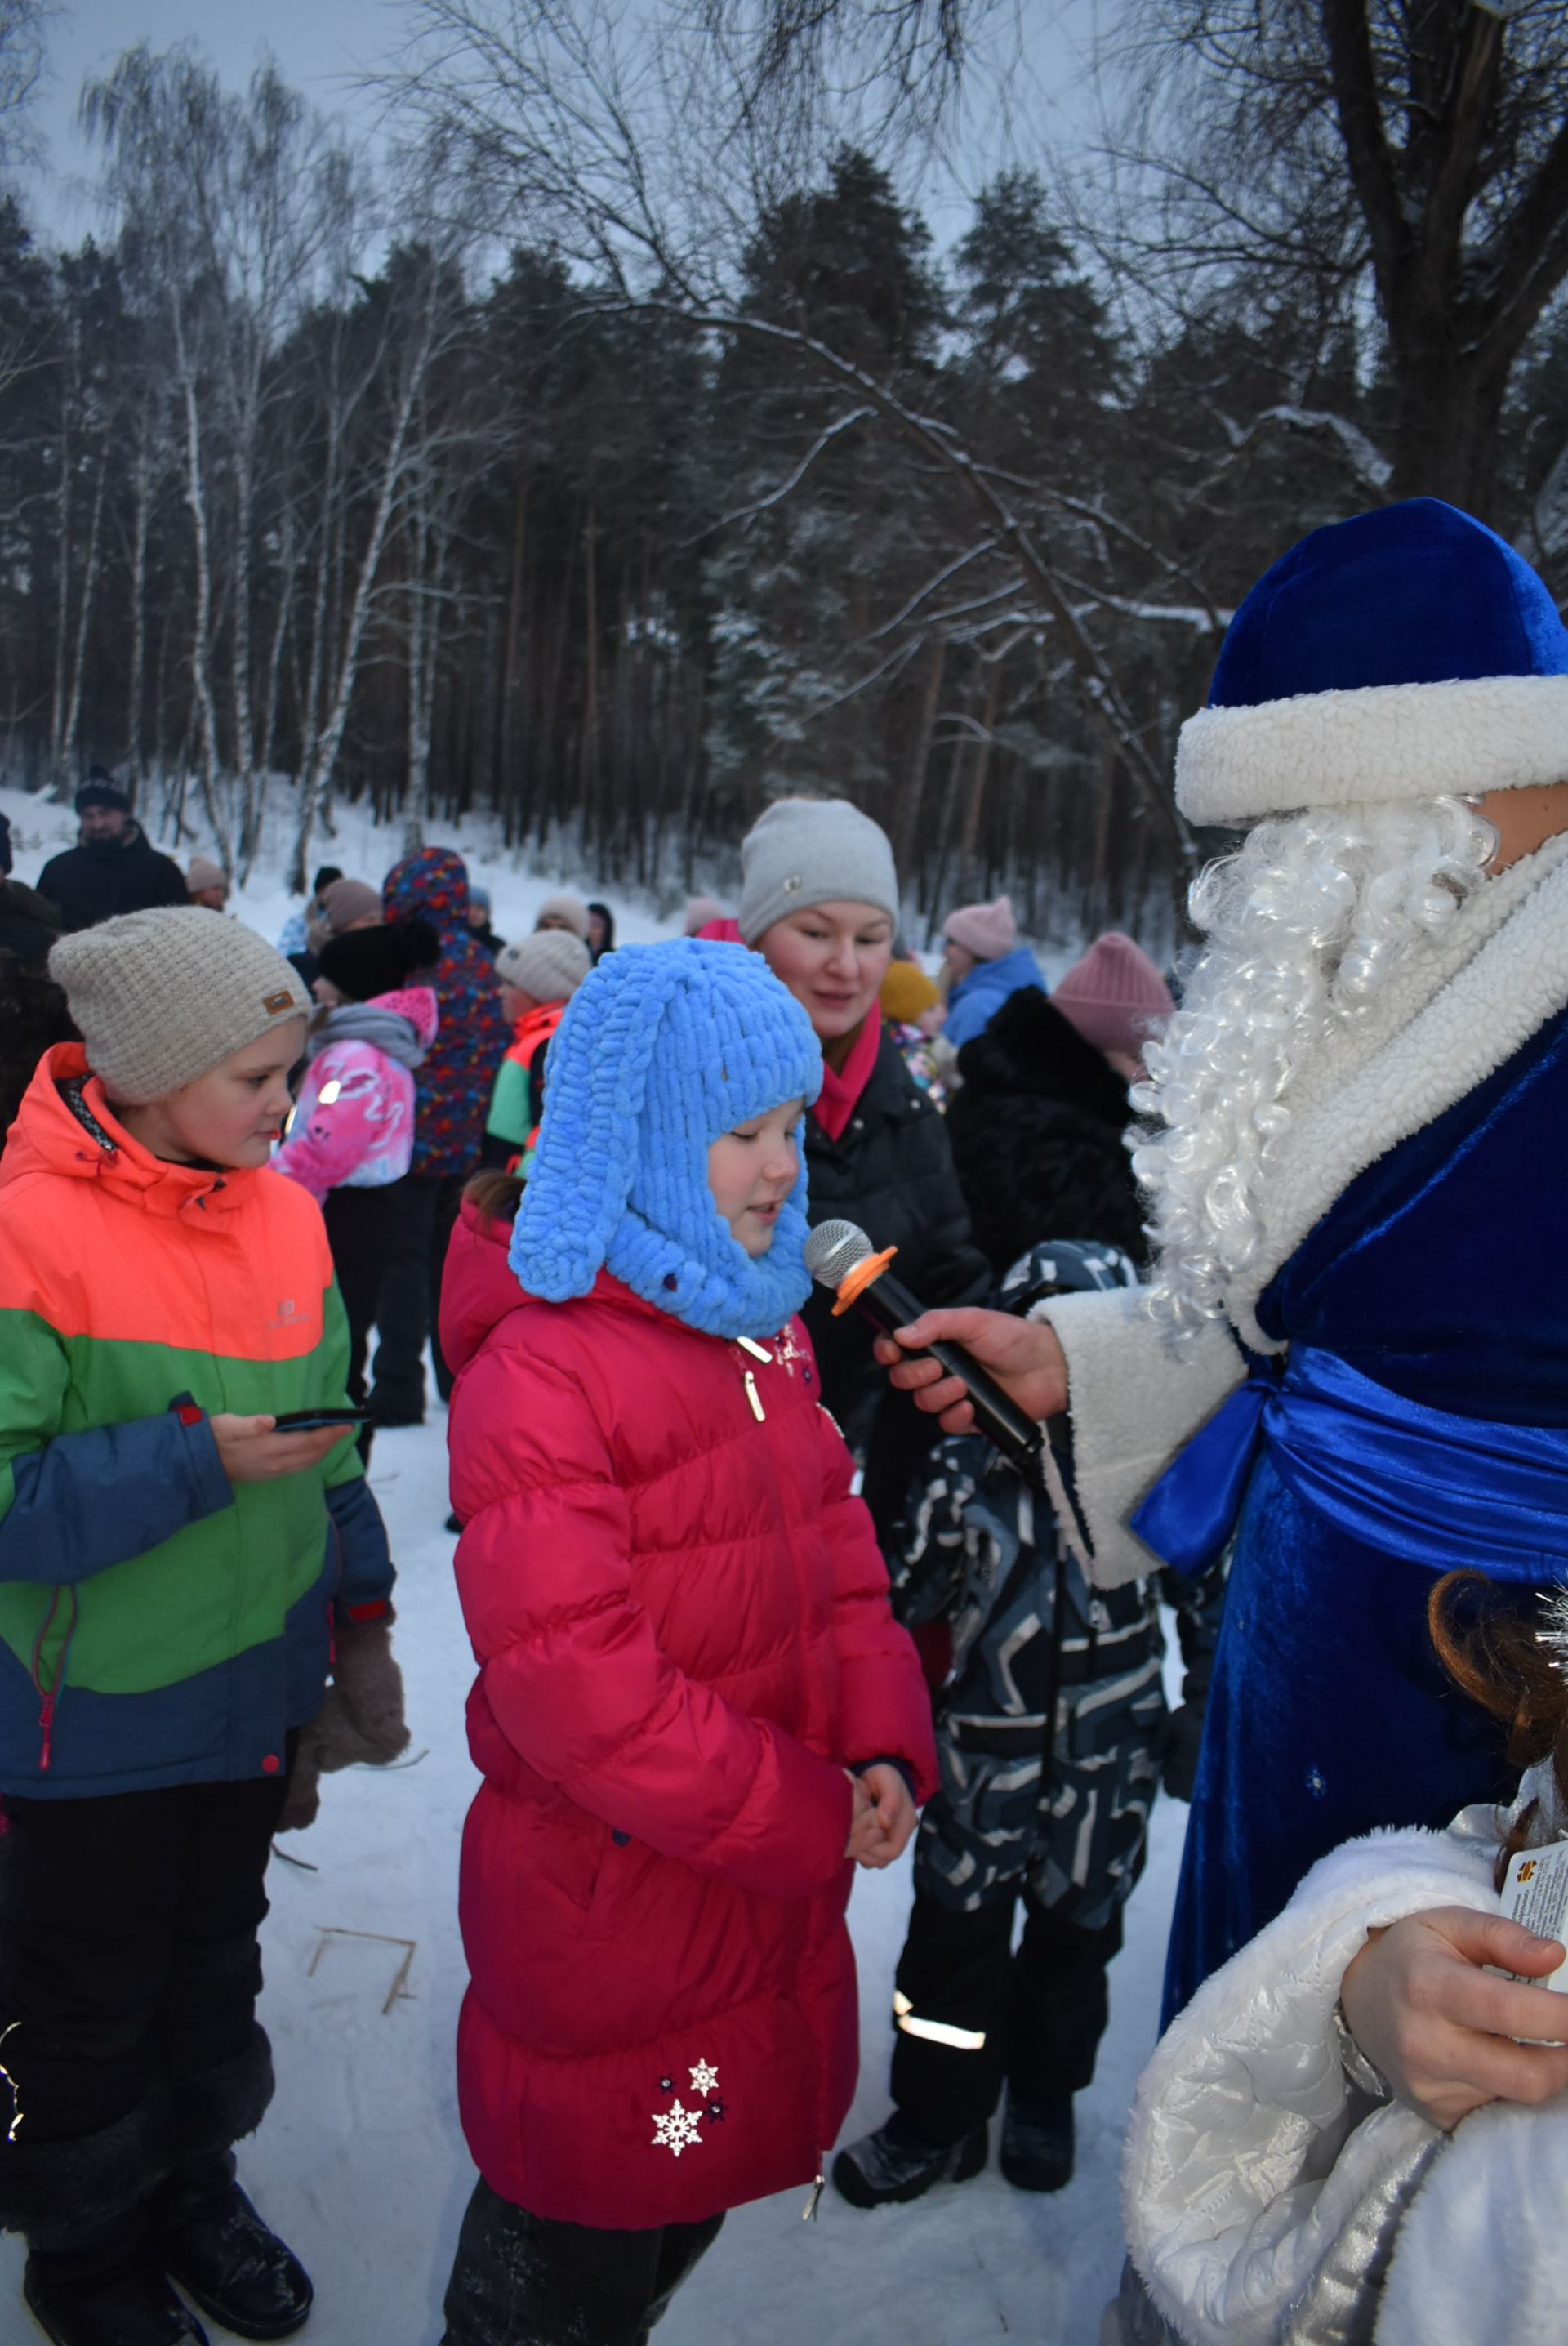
{"x": 1038, "y": 2143}
{"x": 83, "y": 2205}
{"x": 209, "y": 2237}
{"x": 137, "y": 2308}
{"x": 215, "y": 2245}
{"x": 892, "y": 2165}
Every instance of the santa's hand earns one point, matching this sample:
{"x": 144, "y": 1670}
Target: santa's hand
{"x": 1023, "y": 1356}
{"x": 1442, "y": 2029}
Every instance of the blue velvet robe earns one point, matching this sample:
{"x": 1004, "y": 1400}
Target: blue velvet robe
{"x": 1441, "y": 1273}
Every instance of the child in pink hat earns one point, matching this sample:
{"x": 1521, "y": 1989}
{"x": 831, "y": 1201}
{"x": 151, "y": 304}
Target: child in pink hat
{"x": 1116, "y": 997}
{"x": 984, "y": 963}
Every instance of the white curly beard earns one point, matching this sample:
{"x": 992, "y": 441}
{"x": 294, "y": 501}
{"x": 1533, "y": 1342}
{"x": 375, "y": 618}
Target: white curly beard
{"x": 1307, "y": 922}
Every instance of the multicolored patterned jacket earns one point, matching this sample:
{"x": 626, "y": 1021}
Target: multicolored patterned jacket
{"x": 454, "y": 1084}
{"x": 157, "y": 1624}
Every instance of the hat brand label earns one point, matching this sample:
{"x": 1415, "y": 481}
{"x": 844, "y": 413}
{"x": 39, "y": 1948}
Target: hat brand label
{"x": 275, "y": 1003}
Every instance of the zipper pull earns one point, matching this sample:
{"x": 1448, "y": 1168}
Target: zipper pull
{"x": 815, "y": 2201}
{"x": 755, "y": 1398}
{"x": 46, "y": 1721}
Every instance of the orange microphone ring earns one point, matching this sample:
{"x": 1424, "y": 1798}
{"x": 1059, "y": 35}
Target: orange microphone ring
{"x": 854, "y": 1283}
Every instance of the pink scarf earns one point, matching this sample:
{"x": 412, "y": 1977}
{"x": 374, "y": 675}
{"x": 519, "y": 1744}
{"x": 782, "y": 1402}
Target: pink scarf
{"x": 841, "y": 1093}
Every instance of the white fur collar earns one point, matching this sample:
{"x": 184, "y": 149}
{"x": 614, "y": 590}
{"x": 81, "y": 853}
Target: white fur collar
{"x": 1447, "y": 1023}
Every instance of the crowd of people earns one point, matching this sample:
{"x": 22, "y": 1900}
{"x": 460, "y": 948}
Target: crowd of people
{"x": 753, "y": 1600}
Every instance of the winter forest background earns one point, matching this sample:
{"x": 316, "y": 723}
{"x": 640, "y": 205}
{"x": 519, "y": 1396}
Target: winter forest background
{"x": 608, "y": 442}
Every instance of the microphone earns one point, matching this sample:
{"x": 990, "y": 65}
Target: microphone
{"x": 842, "y": 1258}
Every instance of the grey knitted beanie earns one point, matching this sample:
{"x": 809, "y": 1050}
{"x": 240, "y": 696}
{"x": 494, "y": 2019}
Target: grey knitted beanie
{"x": 549, "y": 965}
{"x": 160, "y": 997}
{"x": 806, "y": 851}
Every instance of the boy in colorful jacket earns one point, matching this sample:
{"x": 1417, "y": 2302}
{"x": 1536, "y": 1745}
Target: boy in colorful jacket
{"x": 538, "y": 978}
{"x": 174, "y": 1569}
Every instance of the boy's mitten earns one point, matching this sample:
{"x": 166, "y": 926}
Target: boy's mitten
{"x": 361, "y": 1719}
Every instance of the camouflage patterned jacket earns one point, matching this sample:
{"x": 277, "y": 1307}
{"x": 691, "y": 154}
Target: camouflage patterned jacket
{"x": 981, "y": 1552}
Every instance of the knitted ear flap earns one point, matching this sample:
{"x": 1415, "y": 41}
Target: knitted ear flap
{"x": 587, "y": 1157}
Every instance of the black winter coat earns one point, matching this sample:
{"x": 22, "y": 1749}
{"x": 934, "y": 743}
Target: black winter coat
{"x": 892, "y": 1171}
{"x": 1036, "y": 1135}
{"x": 28, "y": 924}
{"x": 93, "y": 883}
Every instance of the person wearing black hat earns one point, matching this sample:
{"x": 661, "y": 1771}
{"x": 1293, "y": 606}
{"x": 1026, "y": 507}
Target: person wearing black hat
{"x": 114, "y": 868}
{"x": 29, "y": 922}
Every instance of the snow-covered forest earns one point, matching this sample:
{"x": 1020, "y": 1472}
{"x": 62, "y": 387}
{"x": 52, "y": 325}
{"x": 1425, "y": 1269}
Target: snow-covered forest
{"x": 613, "y": 446}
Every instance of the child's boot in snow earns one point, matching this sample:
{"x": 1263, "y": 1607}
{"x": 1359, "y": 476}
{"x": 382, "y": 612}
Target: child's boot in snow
{"x": 209, "y": 2237}
{"x": 1038, "y": 2144}
{"x": 82, "y": 2202}
{"x": 893, "y": 2164}
{"x": 134, "y": 2307}
{"x": 216, "y": 2246}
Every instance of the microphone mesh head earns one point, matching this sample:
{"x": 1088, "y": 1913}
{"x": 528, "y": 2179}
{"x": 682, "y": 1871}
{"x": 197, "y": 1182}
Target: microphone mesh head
{"x": 833, "y": 1250}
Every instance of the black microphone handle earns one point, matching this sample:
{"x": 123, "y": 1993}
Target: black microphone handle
{"x": 890, "y": 1306}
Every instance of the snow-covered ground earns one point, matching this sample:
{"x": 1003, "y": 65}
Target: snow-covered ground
{"x": 361, "y": 2163}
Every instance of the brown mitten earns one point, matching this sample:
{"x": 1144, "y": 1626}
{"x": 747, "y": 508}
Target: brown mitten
{"x": 362, "y": 1718}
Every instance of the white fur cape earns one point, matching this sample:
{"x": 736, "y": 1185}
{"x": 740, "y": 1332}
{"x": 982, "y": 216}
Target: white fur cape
{"x": 1268, "y": 2202}
{"x": 1450, "y": 1018}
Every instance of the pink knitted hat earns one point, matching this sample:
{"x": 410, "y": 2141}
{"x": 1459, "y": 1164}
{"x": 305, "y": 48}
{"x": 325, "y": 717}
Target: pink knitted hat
{"x": 987, "y": 931}
{"x": 1115, "y": 995}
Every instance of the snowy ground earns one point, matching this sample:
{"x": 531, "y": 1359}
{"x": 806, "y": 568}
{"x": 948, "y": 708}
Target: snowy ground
{"x": 361, "y": 2164}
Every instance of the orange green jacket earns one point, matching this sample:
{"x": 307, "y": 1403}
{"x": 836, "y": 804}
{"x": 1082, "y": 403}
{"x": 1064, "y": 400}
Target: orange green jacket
{"x": 515, "y": 1110}
{"x": 157, "y": 1624}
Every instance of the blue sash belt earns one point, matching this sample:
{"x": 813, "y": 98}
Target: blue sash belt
{"x": 1413, "y": 1483}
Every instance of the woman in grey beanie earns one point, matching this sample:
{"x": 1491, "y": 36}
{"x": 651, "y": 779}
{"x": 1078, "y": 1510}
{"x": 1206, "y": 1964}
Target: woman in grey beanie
{"x": 820, "y": 901}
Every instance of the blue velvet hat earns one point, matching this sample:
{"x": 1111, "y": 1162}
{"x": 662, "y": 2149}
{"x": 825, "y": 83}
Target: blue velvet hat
{"x": 1407, "y": 653}
{"x": 663, "y": 1048}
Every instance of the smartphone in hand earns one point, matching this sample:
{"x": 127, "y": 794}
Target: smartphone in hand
{"x": 311, "y": 1420}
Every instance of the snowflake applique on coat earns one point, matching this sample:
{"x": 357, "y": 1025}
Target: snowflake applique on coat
{"x": 704, "y": 2078}
{"x": 677, "y": 2128}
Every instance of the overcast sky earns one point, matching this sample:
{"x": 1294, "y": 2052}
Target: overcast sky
{"x": 324, "y": 45}
{"x": 321, "y": 45}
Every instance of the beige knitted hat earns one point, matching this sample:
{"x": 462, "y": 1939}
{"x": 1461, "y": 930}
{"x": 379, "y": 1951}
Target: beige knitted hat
{"x": 550, "y": 965}
{"x": 160, "y": 997}
{"x": 568, "y": 913}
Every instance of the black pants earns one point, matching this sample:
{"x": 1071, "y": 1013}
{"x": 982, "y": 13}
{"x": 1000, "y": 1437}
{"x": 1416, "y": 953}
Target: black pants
{"x": 362, "y": 1228}
{"x": 127, "y": 1946}
{"x": 530, "y": 2280}
{"x": 1042, "y": 2012}
{"x": 408, "y": 1305}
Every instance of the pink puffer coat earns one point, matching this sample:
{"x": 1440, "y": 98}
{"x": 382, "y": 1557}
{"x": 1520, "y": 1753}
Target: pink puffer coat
{"x": 353, "y": 1126}
{"x": 681, "y": 1621}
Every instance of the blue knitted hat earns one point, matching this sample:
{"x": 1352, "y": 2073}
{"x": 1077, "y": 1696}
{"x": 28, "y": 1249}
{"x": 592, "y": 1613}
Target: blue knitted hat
{"x": 1407, "y": 653}
{"x": 663, "y": 1048}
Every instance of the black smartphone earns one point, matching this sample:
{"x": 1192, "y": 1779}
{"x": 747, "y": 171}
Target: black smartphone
{"x": 309, "y": 1421}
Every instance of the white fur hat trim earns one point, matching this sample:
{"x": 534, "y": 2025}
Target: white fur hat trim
{"x": 1380, "y": 743}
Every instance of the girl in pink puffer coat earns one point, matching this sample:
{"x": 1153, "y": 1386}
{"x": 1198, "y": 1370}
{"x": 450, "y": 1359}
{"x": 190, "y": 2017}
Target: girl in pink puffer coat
{"x": 350, "y": 1136}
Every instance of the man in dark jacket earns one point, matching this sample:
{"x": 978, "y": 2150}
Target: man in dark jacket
{"x": 114, "y": 868}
